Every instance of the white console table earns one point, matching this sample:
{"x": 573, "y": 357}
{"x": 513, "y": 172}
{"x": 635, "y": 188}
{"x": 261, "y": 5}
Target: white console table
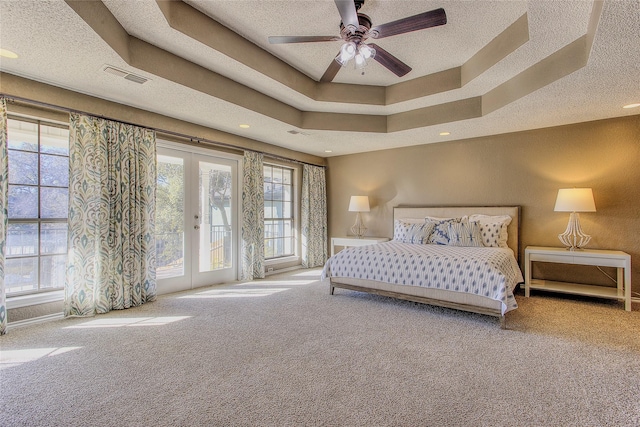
{"x": 354, "y": 241}
{"x": 595, "y": 257}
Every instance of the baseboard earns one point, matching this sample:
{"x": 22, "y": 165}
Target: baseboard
{"x": 35, "y": 320}
{"x": 282, "y": 270}
{"x": 34, "y": 299}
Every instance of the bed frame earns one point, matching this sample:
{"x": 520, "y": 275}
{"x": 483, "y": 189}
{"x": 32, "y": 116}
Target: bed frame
{"x": 440, "y": 297}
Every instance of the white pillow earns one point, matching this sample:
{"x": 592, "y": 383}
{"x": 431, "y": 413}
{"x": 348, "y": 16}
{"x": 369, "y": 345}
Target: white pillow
{"x": 401, "y": 226}
{"x": 493, "y": 229}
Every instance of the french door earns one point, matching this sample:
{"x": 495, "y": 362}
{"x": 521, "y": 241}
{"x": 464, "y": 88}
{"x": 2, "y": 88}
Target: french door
{"x": 196, "y": 219}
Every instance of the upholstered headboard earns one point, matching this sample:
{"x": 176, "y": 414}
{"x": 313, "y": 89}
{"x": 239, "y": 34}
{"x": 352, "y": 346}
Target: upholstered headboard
{"x": 409, "y": 212}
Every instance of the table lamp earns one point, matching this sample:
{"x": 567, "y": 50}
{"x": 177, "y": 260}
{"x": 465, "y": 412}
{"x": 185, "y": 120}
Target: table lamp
{"x": 574, "y": 200}
{"x": 359, "y": 204}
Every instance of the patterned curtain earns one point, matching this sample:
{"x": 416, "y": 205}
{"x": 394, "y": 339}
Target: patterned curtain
{"x": 4, "y": 191}
{"x": 252, "y": 216}
{"x": 314, "y": 216}
{"x": 112, "y": 191}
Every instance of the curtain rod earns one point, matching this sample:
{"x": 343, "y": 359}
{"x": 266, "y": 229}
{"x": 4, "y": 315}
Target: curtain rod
{"x": 206, "y": 141}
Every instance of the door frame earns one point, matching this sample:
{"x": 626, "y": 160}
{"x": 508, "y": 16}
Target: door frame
{"x": 186, "y": 281}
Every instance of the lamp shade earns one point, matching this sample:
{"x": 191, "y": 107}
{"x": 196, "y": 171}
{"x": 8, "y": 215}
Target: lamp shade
{"x": 575, "y": 200}
{"x": 359, "y": 204}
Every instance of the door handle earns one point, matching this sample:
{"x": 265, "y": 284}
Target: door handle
{"x": 196, "y": 227}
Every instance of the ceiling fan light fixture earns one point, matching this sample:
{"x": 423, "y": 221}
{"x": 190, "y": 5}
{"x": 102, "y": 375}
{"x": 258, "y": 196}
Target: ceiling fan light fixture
{"x": 360, "y": 61}
{"x": 366, "y": 51}
{"x": 347, "y": 52}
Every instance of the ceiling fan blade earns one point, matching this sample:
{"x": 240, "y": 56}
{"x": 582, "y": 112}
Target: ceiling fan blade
{"x": 389, "y": 61}
{"x": 347, "y": 9}
{"x": 421, "y": 21}
{"x": 331, "y": 72}
{"x": 302, "y": 39}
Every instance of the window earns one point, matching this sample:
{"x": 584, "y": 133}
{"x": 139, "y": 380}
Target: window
{"x": 36, "y": 248}
{"x": 170, "y": 249}
{"x": 278, "y": 212}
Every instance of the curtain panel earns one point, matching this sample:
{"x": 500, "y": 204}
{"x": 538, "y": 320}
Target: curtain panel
{"x": 314, "y": 216}
{"x": 4, "y": 194}
{"x": 252, "y": 216}
{"x": 112, "y": 190}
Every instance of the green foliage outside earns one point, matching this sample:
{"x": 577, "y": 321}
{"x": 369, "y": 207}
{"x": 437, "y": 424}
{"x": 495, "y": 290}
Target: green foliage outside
{"x": 170, "y": 214}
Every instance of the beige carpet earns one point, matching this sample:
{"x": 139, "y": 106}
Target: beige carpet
{"x": 283, "y": 352}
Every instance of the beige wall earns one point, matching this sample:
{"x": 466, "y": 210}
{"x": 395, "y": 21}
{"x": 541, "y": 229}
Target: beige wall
{"x": 524, "y": 168}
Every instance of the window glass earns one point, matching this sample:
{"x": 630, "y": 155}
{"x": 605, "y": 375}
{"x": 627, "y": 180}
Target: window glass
{"x": 54, "y": 140}
{"x": 54, "y": 171}
{"x": 36, "y": 251}
{"x": 278, "y": 212}
{"x": 267, "y": 173}
{"x": 22, "y": 239}
{"x": 23, "y": 167}
{"x": 21, "y": 275}
{"x": 23, "y": 202}
{"x": 53, "y": 238}
{"x": 54, "y": 202}
{"x": 52, "y": 271}
{"x": 22, "y": 135}
{"x": 170, "y": 248}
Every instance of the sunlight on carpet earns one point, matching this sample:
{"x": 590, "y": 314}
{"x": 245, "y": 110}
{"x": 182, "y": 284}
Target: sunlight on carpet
{"x": 275, "y": 282}
{"x": 313, "y": 273}
{"x": 128, "y": 321}
{"x": 11, "y": 358}
{"x": 234, "y": 293}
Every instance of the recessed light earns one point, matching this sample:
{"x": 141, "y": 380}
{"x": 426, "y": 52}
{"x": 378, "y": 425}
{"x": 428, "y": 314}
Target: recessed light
{"x": 328, "y": 151}
{"x": 8, "y": 54}
{"x": 445, "y": 133}
{"x": 632, "y": 105}
{"x": 245, "y": 126}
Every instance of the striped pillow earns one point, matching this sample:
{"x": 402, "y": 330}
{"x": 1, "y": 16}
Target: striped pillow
{"x": 465, "y": 234}
{"x": 401, "y": 226}
{"x": 440, "y": 235}
{"x": 418, "y": 233}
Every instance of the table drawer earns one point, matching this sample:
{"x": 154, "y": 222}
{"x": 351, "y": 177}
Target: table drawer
{"x": 563, "y": 259}
{"x": 599, "y": 261}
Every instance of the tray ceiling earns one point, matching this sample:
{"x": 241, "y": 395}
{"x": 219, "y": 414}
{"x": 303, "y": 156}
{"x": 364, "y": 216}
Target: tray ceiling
{"x": 495, "y": 67}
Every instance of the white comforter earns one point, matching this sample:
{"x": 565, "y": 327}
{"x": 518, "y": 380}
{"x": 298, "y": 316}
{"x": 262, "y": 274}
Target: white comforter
{"x": 489, "y": 272}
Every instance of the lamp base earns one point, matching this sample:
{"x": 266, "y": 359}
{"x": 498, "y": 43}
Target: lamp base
{"x": 573, "y": 237}
{"x": 358, "y": 229}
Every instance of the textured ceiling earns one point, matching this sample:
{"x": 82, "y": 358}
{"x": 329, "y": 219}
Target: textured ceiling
{"x": 59, "y": 47}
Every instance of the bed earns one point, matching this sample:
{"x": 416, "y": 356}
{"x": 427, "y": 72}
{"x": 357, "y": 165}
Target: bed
{"x": 469, "y": 277}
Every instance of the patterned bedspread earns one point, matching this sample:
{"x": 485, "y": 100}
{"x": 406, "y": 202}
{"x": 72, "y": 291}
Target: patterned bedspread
{"x": 489, "y": 272}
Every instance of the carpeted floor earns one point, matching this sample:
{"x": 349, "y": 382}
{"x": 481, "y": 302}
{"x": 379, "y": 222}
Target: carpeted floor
{"x": 283, "y": 352}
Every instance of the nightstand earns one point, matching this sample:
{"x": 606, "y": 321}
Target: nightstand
{"x": 354, "y": 241}
{"x": 595, "y": 257}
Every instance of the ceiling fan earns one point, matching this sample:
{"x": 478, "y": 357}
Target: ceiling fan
{"x": 356, "y": 28}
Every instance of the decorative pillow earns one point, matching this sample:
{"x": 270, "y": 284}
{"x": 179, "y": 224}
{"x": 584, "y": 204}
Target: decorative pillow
{"x": 465, "y": 233}
{"x": 401, "y": 226}
{"x": 440, "y": 234}
{"x": 418, "y": 233}
{"x": 493, "y": 229}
